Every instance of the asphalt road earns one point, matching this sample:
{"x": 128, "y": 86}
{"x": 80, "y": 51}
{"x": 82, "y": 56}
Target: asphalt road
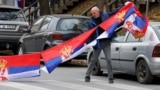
{"x": 71, "y": 77}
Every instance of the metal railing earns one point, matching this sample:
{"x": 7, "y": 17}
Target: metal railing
{"x": 58, "y": 5}
{"x": 84, "y": 13}
{"x": 31, "y": 11}
{"x": 111, "y": 5}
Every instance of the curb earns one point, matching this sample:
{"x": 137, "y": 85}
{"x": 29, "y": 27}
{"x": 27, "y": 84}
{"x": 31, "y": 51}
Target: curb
{"x": 79, "y": 62}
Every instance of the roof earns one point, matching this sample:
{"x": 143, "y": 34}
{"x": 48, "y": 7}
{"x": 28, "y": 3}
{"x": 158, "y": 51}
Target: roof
{"x": 8, "y": 7}
{"x": 68, "y": 15}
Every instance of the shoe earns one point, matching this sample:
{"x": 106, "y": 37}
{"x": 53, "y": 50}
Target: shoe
{"x": 111, "y": 81}
{"x": 87, "y": 78}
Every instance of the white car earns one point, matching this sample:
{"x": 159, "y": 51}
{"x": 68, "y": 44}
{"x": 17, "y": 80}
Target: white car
{"x": 139, "y": 57}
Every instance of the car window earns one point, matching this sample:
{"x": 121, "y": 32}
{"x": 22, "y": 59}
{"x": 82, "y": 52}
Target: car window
{"x": 157, "y": 30}
{"x": 73, "y": 24}
{"x": 45, "y": 24}
{"x": 119, "y": 35}
{"x": 37, "y": 24}
{"x": 11, "y": 14}
{"x": 131, "y": 38}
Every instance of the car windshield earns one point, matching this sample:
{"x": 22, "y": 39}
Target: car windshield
{"x": 11, "y": 14}
{"x": 73, "y": 24}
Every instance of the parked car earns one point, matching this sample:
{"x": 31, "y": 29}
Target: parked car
{"x": 51, "y": 30}
{"x": 139, "y": 57}
{"x": 12, "y": 25}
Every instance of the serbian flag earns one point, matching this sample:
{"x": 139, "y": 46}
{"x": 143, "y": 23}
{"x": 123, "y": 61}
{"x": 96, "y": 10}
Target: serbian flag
{"x": 19, "y": 66}
{"x": 21, "y": 3}
{"x": 133, "y": 20}
{"x": 117, "y": 19}
{"x": 136, "y": 25}
{"x": 61, "y": 53}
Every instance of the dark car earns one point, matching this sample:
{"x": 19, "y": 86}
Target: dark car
{"x": 50, "y": 30}
{"x": 12, "y": 26}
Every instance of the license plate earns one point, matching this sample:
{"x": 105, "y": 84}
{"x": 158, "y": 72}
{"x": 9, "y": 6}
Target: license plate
{"x": 7, "y": 26}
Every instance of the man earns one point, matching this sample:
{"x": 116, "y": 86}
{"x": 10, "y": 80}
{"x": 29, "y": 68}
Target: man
{"x": 102, "y": 44}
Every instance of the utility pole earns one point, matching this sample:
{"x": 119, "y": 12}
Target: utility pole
{"x": 147, "y": 7}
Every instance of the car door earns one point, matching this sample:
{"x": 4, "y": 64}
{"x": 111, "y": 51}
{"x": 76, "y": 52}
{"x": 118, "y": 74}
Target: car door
{"x": 29, "y": 40}
{"x": 128, "y": 53}
{"x": 40, "y": 36}
{"x": 117, "y": 40}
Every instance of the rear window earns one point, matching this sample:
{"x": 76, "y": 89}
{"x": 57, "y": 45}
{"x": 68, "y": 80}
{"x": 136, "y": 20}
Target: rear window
{"x": 73, "y": 24}
{"x": 157, "y": 30}
{"x": 11, "y": 14}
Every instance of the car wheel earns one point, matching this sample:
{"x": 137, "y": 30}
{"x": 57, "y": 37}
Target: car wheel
{"x": 46, "y": 47}
{"x": 143, "y": 73}
{"x": 15, "y": 51}
{"x": 20, "y": 50}
{"x": 97, "y": 68}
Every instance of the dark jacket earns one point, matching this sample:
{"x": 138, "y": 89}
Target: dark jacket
{"x": 92, "y": 23}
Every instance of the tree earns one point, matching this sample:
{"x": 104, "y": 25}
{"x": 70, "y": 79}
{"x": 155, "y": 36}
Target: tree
{"x": 44, "y": 7}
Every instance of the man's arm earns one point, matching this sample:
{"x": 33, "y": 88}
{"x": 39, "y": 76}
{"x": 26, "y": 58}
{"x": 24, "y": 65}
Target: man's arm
{"x": 90, "y": 24}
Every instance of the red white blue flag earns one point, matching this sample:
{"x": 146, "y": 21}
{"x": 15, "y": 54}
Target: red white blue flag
{"x": 28, "y": 65}
{"x": 21, "y": 3}
{"x": 136, "y": 25}
{"x": 19, "y": 66}
{"x": 69, "y": 49}
{"x": 133, "y": 20}
{"x": 65, "y": 51}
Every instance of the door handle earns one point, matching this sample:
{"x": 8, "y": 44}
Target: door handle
{"x": 117, "y": 48}
{"x": 134, "y": 48}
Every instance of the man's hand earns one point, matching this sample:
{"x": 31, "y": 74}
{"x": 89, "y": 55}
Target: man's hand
{"x": 127, "y": 2}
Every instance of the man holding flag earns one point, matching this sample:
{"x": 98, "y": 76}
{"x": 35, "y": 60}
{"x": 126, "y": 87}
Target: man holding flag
{"x": 102, "y": 44}
{"x": 108, "y": 22}
{"x": 101, "y": 29}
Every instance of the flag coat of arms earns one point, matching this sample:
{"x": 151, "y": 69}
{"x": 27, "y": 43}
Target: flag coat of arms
{"x": 19, "y": 66}
{"x": 136, "y": 25}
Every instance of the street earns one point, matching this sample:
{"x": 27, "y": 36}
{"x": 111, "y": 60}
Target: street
{"x": 38, "y": 32}
{"x": 71, "y": 77}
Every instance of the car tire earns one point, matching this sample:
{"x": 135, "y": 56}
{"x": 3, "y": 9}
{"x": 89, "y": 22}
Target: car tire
{"x": 46, "y": 47}
{"x": 143, "y": 73}
{"x": 15, "y": 51}
{"x": 20, "y": 50}
{"x": 97, "y": 68}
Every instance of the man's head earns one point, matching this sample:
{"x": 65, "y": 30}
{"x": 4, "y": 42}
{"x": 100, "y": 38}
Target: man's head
{"x": 95, "y": 12}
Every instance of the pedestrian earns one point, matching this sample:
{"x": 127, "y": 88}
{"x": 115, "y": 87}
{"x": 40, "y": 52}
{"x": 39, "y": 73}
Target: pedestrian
{"x": 102, "y": 44}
